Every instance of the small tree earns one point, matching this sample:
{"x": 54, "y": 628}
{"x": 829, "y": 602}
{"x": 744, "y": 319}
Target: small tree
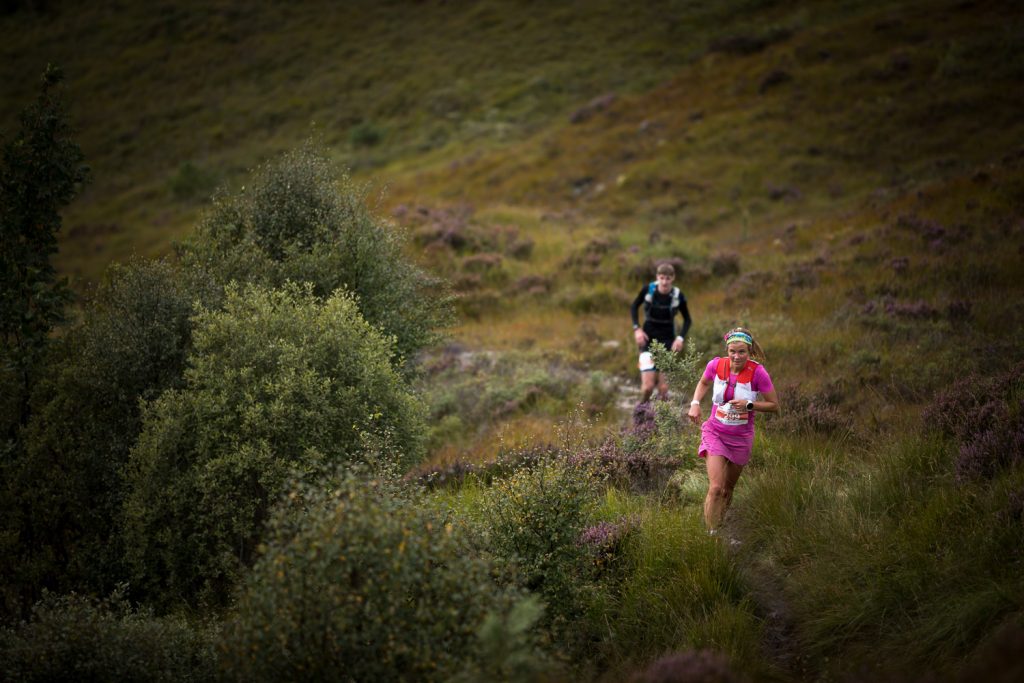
{"x": 65, "y": 484}
{"x": 40, "y": 172}
{"x": 278, "y": 380}
{"x": 300, "y": 220}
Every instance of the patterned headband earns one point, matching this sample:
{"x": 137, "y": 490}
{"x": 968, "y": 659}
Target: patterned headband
{"x": 730, "y": 337}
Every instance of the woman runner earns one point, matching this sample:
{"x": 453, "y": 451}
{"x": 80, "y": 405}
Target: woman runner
{"x": 741, "y": 386}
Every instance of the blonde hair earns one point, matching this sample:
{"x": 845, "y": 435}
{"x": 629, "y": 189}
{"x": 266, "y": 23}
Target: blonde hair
{"x": 756, "y": 352}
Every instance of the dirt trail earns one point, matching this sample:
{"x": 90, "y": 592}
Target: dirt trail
{"x": 780, "y": 637}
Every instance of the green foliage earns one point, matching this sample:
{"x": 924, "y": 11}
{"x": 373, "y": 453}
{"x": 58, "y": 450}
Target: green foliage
{"x": 74, "y": 638}
{"x": 682, "y": 370}
{"x": 678, "y": 588}
{"x": 534, "y": 517}
{"x": 40, "y": 173}
{"x": 672, "y": 434}
{"x": 191, "y": 182}
{"x": 65, "y": 490}
{"x": 365, "y": 134}
{"x": 277, "y": 380}
{"x": 363, "y": 582}
{"x": 505, "y": 649}
{"x": 891, "y": 563}
{"x": 299, "y": 221}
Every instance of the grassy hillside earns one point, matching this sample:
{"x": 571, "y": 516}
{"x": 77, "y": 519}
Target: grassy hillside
{"x": 846, "y": 178}
{"x": 174, "y": 98}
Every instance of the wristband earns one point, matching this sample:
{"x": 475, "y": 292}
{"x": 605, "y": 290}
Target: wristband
{"x": 694, "y": 403}
{"x": 636, "y": 327}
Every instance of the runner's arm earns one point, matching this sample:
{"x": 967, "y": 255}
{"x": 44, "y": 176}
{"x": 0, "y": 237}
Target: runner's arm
{"x": 634, "y": 309}
{"x": 687, "y": 320}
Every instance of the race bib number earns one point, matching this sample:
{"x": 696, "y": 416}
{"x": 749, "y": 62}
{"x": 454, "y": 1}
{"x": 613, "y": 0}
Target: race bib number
{"x": 727, "y": 414}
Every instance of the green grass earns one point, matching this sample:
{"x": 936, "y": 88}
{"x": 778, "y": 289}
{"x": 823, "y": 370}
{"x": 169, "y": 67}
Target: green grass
{"x": 680, "y": 591}
{"x": 887, "y": 563}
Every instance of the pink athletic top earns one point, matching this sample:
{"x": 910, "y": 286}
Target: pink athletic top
{"x": 732, "y": 441}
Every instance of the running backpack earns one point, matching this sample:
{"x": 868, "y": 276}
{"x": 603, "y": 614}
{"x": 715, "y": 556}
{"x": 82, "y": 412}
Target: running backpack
{"x": 649, "y": 299}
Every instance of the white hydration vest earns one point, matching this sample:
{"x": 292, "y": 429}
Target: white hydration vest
{"x": 726, "y": 413}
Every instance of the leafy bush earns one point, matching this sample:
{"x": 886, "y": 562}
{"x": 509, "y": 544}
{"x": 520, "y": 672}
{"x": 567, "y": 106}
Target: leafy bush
{"x": 629, "y": 462}
{"x": 299, "y": 221}
{"x": 361, "y": 582}
{"x": 66, "y": 488}
{"x": 506, "y": 648}
{"x": 535, "y": 517}
{"x": 74, "y": 638}
{"x": 973, "y": 405}
{"x": 277, "y": 380}
{"x": 593, "y": 299}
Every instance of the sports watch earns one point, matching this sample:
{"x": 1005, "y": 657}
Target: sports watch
{"x": 750, "y": 406}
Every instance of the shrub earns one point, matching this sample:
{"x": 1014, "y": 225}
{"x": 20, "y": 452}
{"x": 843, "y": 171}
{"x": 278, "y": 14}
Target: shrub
{"x": 660, "y": 433}
{"x": 975, "y": 404}
{"x": 598, "y": 393}
{"x": 810, "y": 411}
{"x": 363, "y": 583}
{"x": 534, "y": 517}
{"x": 725, "y": 263}
{"x": 277, "y": 380}
{"x": 299, "y": 221}
{"x": 74, "y": 638}
{"x": 605, "y": 541}
{"x": 600, "y": 298}
{"x": 67, "y": 486}
{"x": 365, "y": 134}
{"x": 506, "y": 650}
{"x": 630, "y": 462}
{"x": 987, "y": 452}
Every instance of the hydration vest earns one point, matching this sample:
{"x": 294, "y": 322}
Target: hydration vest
{"x": 649, "y": 298}
{"x": 674, "y": 306}
{"x": 725, "y": 413}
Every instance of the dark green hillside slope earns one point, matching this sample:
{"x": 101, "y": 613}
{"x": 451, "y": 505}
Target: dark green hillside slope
{"x": 173, "y": 98}
{"x": 737, "y": 100}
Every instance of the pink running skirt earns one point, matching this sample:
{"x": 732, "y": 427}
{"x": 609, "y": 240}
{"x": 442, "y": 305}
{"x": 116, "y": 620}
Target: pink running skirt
{"x": 734, "y": 447}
